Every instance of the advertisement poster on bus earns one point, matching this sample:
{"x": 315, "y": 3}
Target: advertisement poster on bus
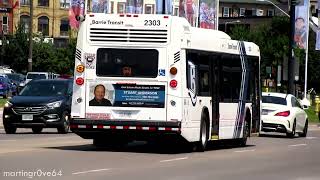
{"x": 301, "y": 24}
{"x": 127, "y": 95}
{"x": 189, "y": 10}
{"x": 167, "y": 9}
{"x": 76, "y": 9}
{"x": 134, "y": 6}
{"x": 208, "y": 14}
{"x": 100, "y": 6}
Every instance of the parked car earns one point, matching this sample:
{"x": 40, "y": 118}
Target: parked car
{"x": 6, "y": 86}
{"x": 41, "y": 104}
{"x": 38, "y": 75}
{"x": 283, "y": 113}
{"x": 17, "y": 80}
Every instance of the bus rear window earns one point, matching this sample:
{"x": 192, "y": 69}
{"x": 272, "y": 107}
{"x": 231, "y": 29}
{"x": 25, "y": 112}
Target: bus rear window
{"x": 127, "y": 63}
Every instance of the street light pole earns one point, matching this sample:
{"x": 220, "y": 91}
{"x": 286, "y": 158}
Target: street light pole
{"x": 275, "y": 6}
{"x": 30, "y": 37}
{"x": 291, "y": 61}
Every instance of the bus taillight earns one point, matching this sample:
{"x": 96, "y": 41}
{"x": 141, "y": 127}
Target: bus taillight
{"x": 80, "y": 68}
{"x": 79, "y": 81}
{"x": 173, "y": 83}
{"x": 173, "y": 70}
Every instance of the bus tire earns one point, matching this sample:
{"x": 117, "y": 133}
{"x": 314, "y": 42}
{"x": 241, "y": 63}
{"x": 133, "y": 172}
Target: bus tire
{"x": 204, "y": 134}
{"x": 246, "y": 132}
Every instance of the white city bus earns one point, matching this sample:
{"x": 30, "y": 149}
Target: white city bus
{"x": 159, "y": 76}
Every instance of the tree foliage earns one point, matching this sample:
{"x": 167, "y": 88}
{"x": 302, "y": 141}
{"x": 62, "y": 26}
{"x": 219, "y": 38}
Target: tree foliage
{"x": 46, "y": 57}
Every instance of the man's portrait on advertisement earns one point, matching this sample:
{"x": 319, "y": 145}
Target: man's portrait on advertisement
{"x": 100, "y": 93}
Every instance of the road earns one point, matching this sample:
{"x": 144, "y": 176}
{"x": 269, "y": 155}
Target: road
{"x": 69, "y": 157}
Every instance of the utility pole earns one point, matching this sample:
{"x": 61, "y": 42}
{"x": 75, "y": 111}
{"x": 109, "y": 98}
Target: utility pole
{"x": 30, "y": 37}
{"x": 291, "y": 61}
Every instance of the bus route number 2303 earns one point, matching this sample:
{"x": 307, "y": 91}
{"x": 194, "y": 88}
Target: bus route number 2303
{"x": 152, "y": 22}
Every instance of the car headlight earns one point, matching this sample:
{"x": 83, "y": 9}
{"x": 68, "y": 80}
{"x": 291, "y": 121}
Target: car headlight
{"x": 54, "y": 104}
{"x": 8, "y": 104}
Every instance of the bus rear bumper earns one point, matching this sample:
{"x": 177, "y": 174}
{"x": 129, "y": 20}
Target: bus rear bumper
{"x": 91, "y": 129}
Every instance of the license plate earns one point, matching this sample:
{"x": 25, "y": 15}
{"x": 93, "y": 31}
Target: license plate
{"x": 27, "y": 117}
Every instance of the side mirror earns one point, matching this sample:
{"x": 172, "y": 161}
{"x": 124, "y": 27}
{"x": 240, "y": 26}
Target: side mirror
{"x": 305, "y": 107}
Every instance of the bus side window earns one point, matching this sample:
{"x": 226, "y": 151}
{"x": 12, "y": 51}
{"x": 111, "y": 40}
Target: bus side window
{"x": 191, "y": 77}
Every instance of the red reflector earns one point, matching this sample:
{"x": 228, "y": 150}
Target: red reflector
{"x": 168, "y": 129}
{"x": 152, "y": 128}
{"x": 135, "y": 15}
{"x": 121, "y": 15}
{"x": 139, "y": 128}
{"x": 91, "y": 15}
{"x": 128, "y": 15}
{"x": 100, "y": 126}
{"x": 79, "y": 81}
{"x": 166, "y": 17}
{"x": 125, "y": 127}
{"x": 173, "y": 83}
{"x": 284, "y": 113}
{"x": 112, "y": 127}
{"x": 88, "y": 126}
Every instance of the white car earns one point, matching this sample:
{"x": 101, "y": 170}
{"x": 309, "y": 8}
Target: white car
{"x": 283, "y": 113}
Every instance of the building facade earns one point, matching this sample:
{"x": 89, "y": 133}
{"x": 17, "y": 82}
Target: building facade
{"x": 50, "y": 18}
{"x": 6, "y": 17}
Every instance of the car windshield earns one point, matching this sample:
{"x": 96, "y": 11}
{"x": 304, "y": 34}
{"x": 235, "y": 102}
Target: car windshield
{"x": 274, "y": 100}
{"x": 45, "y": 88}
{"x": 36, "y": 76}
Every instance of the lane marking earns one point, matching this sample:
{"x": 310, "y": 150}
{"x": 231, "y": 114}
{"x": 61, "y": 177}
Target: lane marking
{"x": 176, "y": 159}
{"x": 250, "y": 150}
{"x": 311, "y": 137}
{"x": 90, "y": 171}
{"x": 296, "y": 145}
{"x": 9, "y": 140}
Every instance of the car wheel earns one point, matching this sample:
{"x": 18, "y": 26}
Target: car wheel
{"x": 305, "y": 130}
{"x": 204, "y": 135}
{"x": 37, "y": 130}
{"x": 9, "y": 129}
{"x": 291, "y": 135}
{"x": 65, "y": 123}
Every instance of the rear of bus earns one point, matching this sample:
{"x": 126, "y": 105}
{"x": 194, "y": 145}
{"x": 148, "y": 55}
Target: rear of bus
{"x": 123, "y": 85}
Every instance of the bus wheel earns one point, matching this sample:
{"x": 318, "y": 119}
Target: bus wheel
{"x": 204, "y": 135}
{"x": 246, "y": 129}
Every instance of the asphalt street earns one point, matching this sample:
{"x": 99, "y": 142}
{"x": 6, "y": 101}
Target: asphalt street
{"x": 52, "y": 156}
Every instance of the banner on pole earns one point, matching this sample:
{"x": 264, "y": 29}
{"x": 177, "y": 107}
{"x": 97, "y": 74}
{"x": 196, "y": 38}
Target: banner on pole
{"x": 76, "y": 9}
{"x": 301, "y": 24}
{"x": 318, "y": 31}
{"x": 208, "y": 14}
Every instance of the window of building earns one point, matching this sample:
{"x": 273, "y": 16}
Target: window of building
{"x": 270, "y": 12}
{"x": 5, "y": 2}
{"x": 254, "y": 12}
{"x": 43, "y": 3}
{"x": 43, "y": 25}
{"x": 24, "y": 2}
{"x": 176, "y": 11}
{"x": 112, "y": 7}
{"x": 65, "y": 4}
{"x": 25, "y": 22}
{"x": 242, "y": 12}
{"x": 149, "y": 8}
{"x": 121, "y": 8}
{"x": 64, "y": 27}
{"x": 226, "y": 11}
{"x": 5, "y": 27}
